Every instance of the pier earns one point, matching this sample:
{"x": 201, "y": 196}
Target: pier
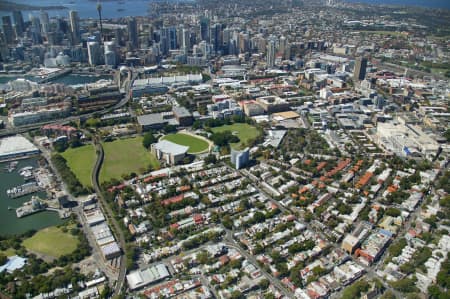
{"x": 23, "y": 190}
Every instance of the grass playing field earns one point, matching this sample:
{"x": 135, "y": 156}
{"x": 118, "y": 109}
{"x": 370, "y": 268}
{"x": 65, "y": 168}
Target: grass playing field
{"x": 52, "y": 241}
{"x": 124, "y": 156}
{"x": 196, "y": 145}
{"x": 81, "y": 161}
{"x": 244, "y": 131}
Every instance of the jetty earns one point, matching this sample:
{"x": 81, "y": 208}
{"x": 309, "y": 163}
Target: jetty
{"x": 22, "y": 190}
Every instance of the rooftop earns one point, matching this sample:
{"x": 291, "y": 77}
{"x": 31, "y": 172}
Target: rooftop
{"x": 151, "y": 119}
{"x": 144, "y": 277}
{"x": 168, "y": 147}
{"x": 16, "y": 145}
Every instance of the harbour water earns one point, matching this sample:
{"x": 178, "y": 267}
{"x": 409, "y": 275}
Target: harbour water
{"x": 9, "y": 223}
{"x": 88, "y": 8}
{"x": 423, "y": 3}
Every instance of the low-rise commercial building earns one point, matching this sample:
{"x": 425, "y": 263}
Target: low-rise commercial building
{"x": 143, "y": 277}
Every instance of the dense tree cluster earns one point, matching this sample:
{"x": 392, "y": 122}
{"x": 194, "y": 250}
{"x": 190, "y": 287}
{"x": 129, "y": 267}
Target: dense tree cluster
{"x": 68, "y": 176}
{"x": 148, "y": 140}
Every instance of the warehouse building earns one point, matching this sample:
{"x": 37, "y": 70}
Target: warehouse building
{"x": 142, "y": 277}
{"x": 16, "y": 147}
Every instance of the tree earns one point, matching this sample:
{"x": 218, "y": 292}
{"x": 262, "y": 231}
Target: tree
{"x": 237, "y": 295}
{"x": 148, "y": 140}
{"x": 169, "y": 129}
{"x": 3, "y": 259}
{"x": 405, "y": 285}
{"x": 447, "y": 133}
{"x": 210, "y": 159}
{"x": 264, "y": 284}
{"x": 393, "y": 212}
{"x": 388, "y": 295}
{"x": 356, "y": 289}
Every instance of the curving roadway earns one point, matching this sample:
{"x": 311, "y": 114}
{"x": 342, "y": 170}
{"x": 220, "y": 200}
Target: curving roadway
{"x": 109, "y": 214}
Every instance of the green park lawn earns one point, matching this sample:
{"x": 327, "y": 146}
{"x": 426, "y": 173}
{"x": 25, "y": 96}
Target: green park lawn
{"x": 245, "y": 132}
{"x": 8, "y": 252}
{"x": 196, "y": 145}
{"x": 52, "y": 241}
{"x": 124, "y": 156}
{"x": 81, "y": 161}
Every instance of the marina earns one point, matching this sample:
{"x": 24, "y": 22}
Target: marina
{"x": 11, "y": 166}
{"x": 22, "y": 190}
{"x": 10, "y": 224}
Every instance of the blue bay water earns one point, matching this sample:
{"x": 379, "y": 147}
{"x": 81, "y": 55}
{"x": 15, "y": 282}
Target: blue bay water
{"x": 88, "y": 8}
{"x": 423, "y": 3}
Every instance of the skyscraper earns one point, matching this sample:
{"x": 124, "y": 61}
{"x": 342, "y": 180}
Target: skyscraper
{"x": 110, "y": 53}
{"x": 35, "y": 30}
{"x": 75, "y": 26}
{"x": 186, "y": 39}
{"x": 216, "y": 37}
{"x": 93, "y": 53}
{"x": 45, "y": 22}
{"x": 270, "y": 56}
{"x": 8, "y": 29}
{"x": 204, "y": 29}
{"x": 360, "y": 69}
{"x": 133, "y": 33}
{"x": 18, "y": 23}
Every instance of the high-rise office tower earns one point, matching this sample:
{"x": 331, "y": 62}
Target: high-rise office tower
{"x": 61, "y": 26}
{"x": 93, "y": 53}
{"x": 270, "y": 56}
{"x": 75, "y": 26}
{"x": 45, "y": 22}
{"x": 110, "y": 53}
{"x": 186, "y": 39}
{"x": 172, "y": 38}
{"x": 284, "y": 48}
{"x": 244, "y": 42}
{"x": 35, "y": 30}
{"x": 226, "y": 37}
{"x": 8, "y": 29}
{"x": 168, "y": 39}
{"x": 18, "y": 23}
{"x": 204, "y": 29}
{"x": 118, "y": 36}
{"x": 133, "y": 33}
{"x": 360, "y": 69}
{"x": 216, "y": 37}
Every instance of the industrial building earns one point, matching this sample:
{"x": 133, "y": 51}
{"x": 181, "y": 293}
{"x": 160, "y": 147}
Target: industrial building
{"x": 406, "y": 140}
{"x": 16, "y": 147}
{"x": 140, "y": 278}
{"x": 158, "y": 85}
{"x": 170, "y": 152}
